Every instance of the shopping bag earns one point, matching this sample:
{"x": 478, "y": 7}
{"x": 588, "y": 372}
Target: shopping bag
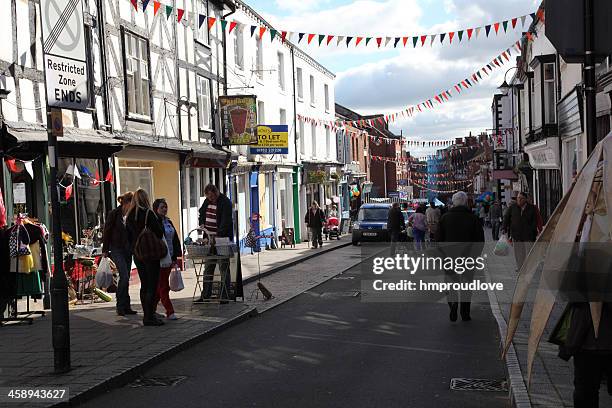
{"x": 104, "y": 273}
{"x": 410, "y": 232}
{"x": 502, "y": 247}
{"x": 176, "y": 280}
{"x": 166, "y": 261}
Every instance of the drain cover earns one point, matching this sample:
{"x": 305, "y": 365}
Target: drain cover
{"x": 477, "y": 384}
{"x": 156, "y": 381}
{"x": 344, "y": 277}
{"x": 353, "y": 293}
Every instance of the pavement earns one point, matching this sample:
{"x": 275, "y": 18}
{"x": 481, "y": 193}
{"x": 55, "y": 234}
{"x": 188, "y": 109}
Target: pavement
{"x": 328, "y": 347}
{"x": 107, "y": 350}
{"x": 552, "y": 378}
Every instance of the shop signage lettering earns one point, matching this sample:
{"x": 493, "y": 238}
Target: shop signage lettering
{"x": 271, "y": 139}
{"x": 64, "y": 54}
{"x": 239, "y": 119}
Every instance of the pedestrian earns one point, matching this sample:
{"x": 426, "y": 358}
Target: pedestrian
{"x": 539, "y": 220}
{"x": 115, "y": 243}
{"x": 141, "y": 216}
{"x": 314, "y": 219}
{"x": 462, "y": 229}
{"x": 160, "y": 206}
{"x": 419, "y": 226}
{"x": 216, "y": 219}
{"x": 395, "y": 222}
{"x": 482, "y": 215}
{"x": 496, "y": 216}
{"x": 520, "y": 223}
{"x": 433, "y": 215}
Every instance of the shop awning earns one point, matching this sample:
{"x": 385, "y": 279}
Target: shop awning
{"x": 76, "y": 142}
{"x": 158, "y": 142}
{"x": 207, "y": 155}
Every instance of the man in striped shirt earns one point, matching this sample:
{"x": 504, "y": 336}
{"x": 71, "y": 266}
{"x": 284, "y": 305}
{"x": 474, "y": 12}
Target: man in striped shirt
{"x": 216, "y": 218}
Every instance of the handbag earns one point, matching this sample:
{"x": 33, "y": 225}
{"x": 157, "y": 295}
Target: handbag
{"x": 148, "y": 246}
{"x": 559, "y": 333}
{"x": 166, "y": 261}
{"x": 176, "y": 280}
{"x": 251, "y": 240}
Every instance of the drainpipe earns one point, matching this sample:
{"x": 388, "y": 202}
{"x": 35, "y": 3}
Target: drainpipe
{"x": 295, "y": 179}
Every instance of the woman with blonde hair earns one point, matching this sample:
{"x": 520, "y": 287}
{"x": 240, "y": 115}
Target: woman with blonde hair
{"x": 141, "y": 217}
{"x": 115, "y": 243}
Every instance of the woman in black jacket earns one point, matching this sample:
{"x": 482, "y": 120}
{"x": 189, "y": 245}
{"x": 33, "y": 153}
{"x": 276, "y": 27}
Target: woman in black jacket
{"x": 140, "y": 215}
{"x": 115, "y": 242}
{"x": 160, "y": 206}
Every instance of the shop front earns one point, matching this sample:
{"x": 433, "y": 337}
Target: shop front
{"x": 544, "y": 157}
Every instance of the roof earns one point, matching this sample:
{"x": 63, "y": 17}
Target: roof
{"x": 36, "y": 133}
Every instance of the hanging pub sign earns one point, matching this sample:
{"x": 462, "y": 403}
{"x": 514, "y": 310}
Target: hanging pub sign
{"x": 239, "y": 119}
{"x": 271, "y": 139}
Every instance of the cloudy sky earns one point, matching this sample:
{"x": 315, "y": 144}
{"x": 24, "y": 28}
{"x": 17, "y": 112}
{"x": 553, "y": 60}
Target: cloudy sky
{"x": 371, "y": 80}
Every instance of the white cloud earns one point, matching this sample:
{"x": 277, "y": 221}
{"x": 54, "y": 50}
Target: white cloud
{"x": 403, "y": 77}
{"x": 297, "y": 6}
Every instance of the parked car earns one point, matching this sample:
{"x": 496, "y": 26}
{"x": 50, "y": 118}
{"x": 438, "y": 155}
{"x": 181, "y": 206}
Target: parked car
{"x": 371, "y": 224}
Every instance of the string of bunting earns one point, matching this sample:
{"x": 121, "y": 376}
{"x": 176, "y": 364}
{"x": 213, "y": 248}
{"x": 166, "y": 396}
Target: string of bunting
{"x": 440, "y": 98}
{"x": 433, "y": 190}
{"x": 195, "y": 19}
{"x": 441, "y": 182}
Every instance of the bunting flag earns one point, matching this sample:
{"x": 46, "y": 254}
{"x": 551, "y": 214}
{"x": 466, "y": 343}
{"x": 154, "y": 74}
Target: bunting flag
{"x": 109, "y": 176}
{"x": 12, "y": 165}
{"x": 68, "y": 192}
{"x": 472, "y": 32}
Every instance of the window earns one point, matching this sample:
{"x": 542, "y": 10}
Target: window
{"x": 259, "y": 59}
{"x": 300, "y": 84}
{"x": 261, "y": 113}
{"x": 549, "y": 93}
{"x": 327, "y": 143}
{"x": 281, "y": 70}
{"x": 283, "y": 116}
{"x": 137, "y": 74}
{"x": 313, "y": 134}
{"x": 239, "y": 49}
{"x": 202, "y": 37}
{"x": 312, "y": 90}
{"x": 302, "y": 137}
{"x": 326, "y": 91}
{"x": 204, "y": 111}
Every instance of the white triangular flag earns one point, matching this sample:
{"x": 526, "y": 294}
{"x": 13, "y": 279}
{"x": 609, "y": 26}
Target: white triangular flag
{"x": 387, "y": 39}
{"x": 523, "y": 20}
{"x": 433, "y": 37}
{"x": 29, "y": 169}
{"x": 75, "y": 172}
{"x": 340, "y": 39}
{"x": 477, "y": 33}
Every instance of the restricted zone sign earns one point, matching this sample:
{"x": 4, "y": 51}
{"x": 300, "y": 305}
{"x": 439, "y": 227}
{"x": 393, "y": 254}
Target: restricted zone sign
{"x": 64, "y": 54}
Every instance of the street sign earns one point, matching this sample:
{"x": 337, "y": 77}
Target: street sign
{"x": 271, "y": 139}
{"x": 57, "y": 124}
{"x": 65, "y": 59}
{"x": 565, "y": 28}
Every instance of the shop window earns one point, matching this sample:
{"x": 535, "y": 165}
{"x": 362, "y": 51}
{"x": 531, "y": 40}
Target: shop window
{"x": 133, "y": 178}
{"x": 203, "y": 35}
{"x": 137, "y": 84}
{"x": 204, "y": 111}
{"x": 193, "y": 188}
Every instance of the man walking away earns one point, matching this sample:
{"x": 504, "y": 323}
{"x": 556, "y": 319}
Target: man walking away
{"x": 520, "y": 223}
{"x": 461, "y": 228}
{"x": 314, "y": 219}
{"x": 496, "y": 216}
{"x": 433, "y": 215}
{"x": 216, "y": 218}
{"x": 395, "y": 222}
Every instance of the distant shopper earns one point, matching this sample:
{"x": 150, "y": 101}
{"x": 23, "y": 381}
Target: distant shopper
{"x": 433, "y": 215}
{"x": 160, "y": 206}
{"x": 216, "y": 219}
{"x": 539, "y": 220}
{"x": 395, "y": 222}
{"x": 482, "y": 215}
{"x": 115, "y": 243}
{"x": 462, "y": 229}
{"x": 314, "y": 219}
{"x": 520, "y": 223}
{"x": 419, "y": 227}
{"x": 496, "y": 216}
{"x": 141, "y": 216}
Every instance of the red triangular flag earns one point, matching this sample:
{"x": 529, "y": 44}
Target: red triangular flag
{"x": 378, "y": 41}
{"x": 156, "y": 5}
{"x": 211, "y": 22}
{"x": 540, "y": 14}
{"x": 96, "y": 179}
{"x": 284, "y": 35}
{"x": 470, "y": 31}
{"x": 179, "y": 14}
{"x": 423, "y": 39}
{"x": 68, "y": 193}
{"x": 135, "y": 4}
{"x": 232, "y": 25}
{"x": 358, "y": 41}
{"x": 109, "y": 176}
{"x": 496, "y": 25}
{"x": 514, "y": 20}
{"x": 310, "y": 37}
{"x": 329, "y": 38}
{"x": 404, "y": 40}
{"x": 262, "y": 30}
{"x": 451, "y": 35}
{"x": 12, "y": 165}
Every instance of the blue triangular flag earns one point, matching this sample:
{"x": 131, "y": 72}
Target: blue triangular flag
{"x": 300, "y": 36}
{"x": 202, "y": 18}
{"x": 253, "y": 28}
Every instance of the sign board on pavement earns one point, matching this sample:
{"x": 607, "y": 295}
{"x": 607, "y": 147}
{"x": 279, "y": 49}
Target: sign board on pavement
{"x": 271, "y": 139}
{"x": 65, "y": 59}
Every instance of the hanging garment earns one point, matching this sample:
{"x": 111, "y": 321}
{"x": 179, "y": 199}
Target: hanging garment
{"x": 29, "y": 284}
{"x": 2, "y": 211}
{"x": 23, "y": 264}
{"x": 36, "y": 256}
